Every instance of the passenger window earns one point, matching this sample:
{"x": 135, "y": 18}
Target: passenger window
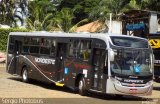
{"x": 85, "y": 49}
{"x": 34, "y": 41}
{"x": 45, "y": 50}
{"x": 11, "y": 40}
{"x": 53, "y": 47}
{"x": 80, "y": 49}
{"x": 34, "y": 49}
{"x": 11, "y": 47}
{"x": 11, "y": 44}
{"x": 31, "y": 45}
{"x": 45, "y": 45}
{"x": 74, "y": 48}
{"x": 26, "y": 40}
{"x": 25, "y": 49}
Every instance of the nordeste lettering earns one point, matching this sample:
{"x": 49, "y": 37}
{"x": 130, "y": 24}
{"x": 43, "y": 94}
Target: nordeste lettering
{"x": 44, "y": 61}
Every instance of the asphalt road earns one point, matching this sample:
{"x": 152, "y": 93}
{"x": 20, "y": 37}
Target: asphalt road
{"x": 14, "y": 91}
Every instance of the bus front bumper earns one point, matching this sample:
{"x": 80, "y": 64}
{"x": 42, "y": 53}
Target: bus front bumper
{"x": 118, "y": 88}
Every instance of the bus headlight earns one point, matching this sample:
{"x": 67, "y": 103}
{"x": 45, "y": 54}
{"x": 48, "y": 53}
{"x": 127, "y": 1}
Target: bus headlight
{"x": 149, "y": 83}
{"x": 115, "y": 81}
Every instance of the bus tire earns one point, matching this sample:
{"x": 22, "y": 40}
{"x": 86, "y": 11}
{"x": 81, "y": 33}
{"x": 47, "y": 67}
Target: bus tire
{"x": 25, "y": 75}
{"x": 82, "y": 87}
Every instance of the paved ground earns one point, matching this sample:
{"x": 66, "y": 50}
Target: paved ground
{"x": 12, "y": 87}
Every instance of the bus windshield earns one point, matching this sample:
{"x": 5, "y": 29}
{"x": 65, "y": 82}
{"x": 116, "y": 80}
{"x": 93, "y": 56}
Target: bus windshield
{"x": 131, "y": 62}
{"x": 129, "y": 42}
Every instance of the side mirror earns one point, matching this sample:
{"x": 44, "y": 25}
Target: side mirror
{"x": 152, "y": 58}
{"x": 111, "y": 55}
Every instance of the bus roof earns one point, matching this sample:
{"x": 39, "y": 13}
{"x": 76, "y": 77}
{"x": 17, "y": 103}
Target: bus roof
{"x": 102, "y": 36}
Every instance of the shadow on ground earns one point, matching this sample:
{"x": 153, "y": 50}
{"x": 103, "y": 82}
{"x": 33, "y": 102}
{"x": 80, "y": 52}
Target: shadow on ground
{"x": 90, "y": 94}
{"x": 156, "y": 88}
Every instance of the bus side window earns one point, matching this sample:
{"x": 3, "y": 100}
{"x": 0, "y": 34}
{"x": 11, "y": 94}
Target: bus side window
{"x": 25, "y": 48}
{"x": 74, "y": 48}
{"x": 34, "y": 45}
{"x": 85, "y": 50}
{"x": 11, "y": 47}
{"x": 53, "y": 47}
{"x": 45, "y": 46}
{"x": 34, "y": 49}
{"x": 11, "y": 44}
{"x": 45, "y": 50}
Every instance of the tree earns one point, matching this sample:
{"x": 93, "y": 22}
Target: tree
{"x": 39, "y": 24}
{"x": 102, "y": 11}
{"x": 41, "y": 12}
{"x": 133, "y": 4}
{"x": 63, "y": 19}
{"x": 83, "y": 9}
{"x": 153, "y": 5}
{"x": 43, "y": 17}
{"x": 11, "y": 11}
{"x": 80, "y": 8}
{"x": 7, "y": 12}
{"x": 105, "y": 7}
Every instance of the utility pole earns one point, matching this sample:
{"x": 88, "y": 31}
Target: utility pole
{"x": 110, "y": 23}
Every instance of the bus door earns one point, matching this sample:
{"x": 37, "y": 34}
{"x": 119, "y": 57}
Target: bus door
{"x": 61, "y": 54}
{"x": 17, "y": 49}
{"x": 98, "y": 82}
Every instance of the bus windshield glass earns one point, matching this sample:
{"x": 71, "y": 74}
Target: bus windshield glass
{"x": 129, "y": 42}
{"x": 131, "y": 62}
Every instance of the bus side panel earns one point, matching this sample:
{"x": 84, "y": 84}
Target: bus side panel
{"x": 73, "y": 68}
{"x": 37, "y": 71}
{"x": 25, "y": 62}
{"x": 41, "y": 69}
{"x": 10, "y": 64}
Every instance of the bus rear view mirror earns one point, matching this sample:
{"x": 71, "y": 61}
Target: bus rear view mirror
{"x": 111, "y": 55}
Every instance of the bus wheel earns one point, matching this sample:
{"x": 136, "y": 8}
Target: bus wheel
{"x": 82, "y": 87}
{"x": 25, "y": 75}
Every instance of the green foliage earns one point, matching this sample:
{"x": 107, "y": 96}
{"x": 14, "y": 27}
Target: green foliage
{"x": 153, "y": 5}
{"x": 42, "y": 19}
{"x": 66, "y": 15}
{"x": 63, "y": 19}
{"x": 81, "y": 8}
{"x": 104, "y": 7}
{"x": 133, "y": 4}
{"x": 4, "y": 36}
{"x": 41, "y": 12}
{"x": 7, "y": 12}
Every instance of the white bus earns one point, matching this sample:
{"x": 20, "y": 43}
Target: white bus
{"x": 106, "y": 63}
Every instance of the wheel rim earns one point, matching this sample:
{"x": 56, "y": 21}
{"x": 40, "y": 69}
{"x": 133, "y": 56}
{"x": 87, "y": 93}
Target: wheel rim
{"x": 80, "y": 85}
{"x": 25, "y": 75}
